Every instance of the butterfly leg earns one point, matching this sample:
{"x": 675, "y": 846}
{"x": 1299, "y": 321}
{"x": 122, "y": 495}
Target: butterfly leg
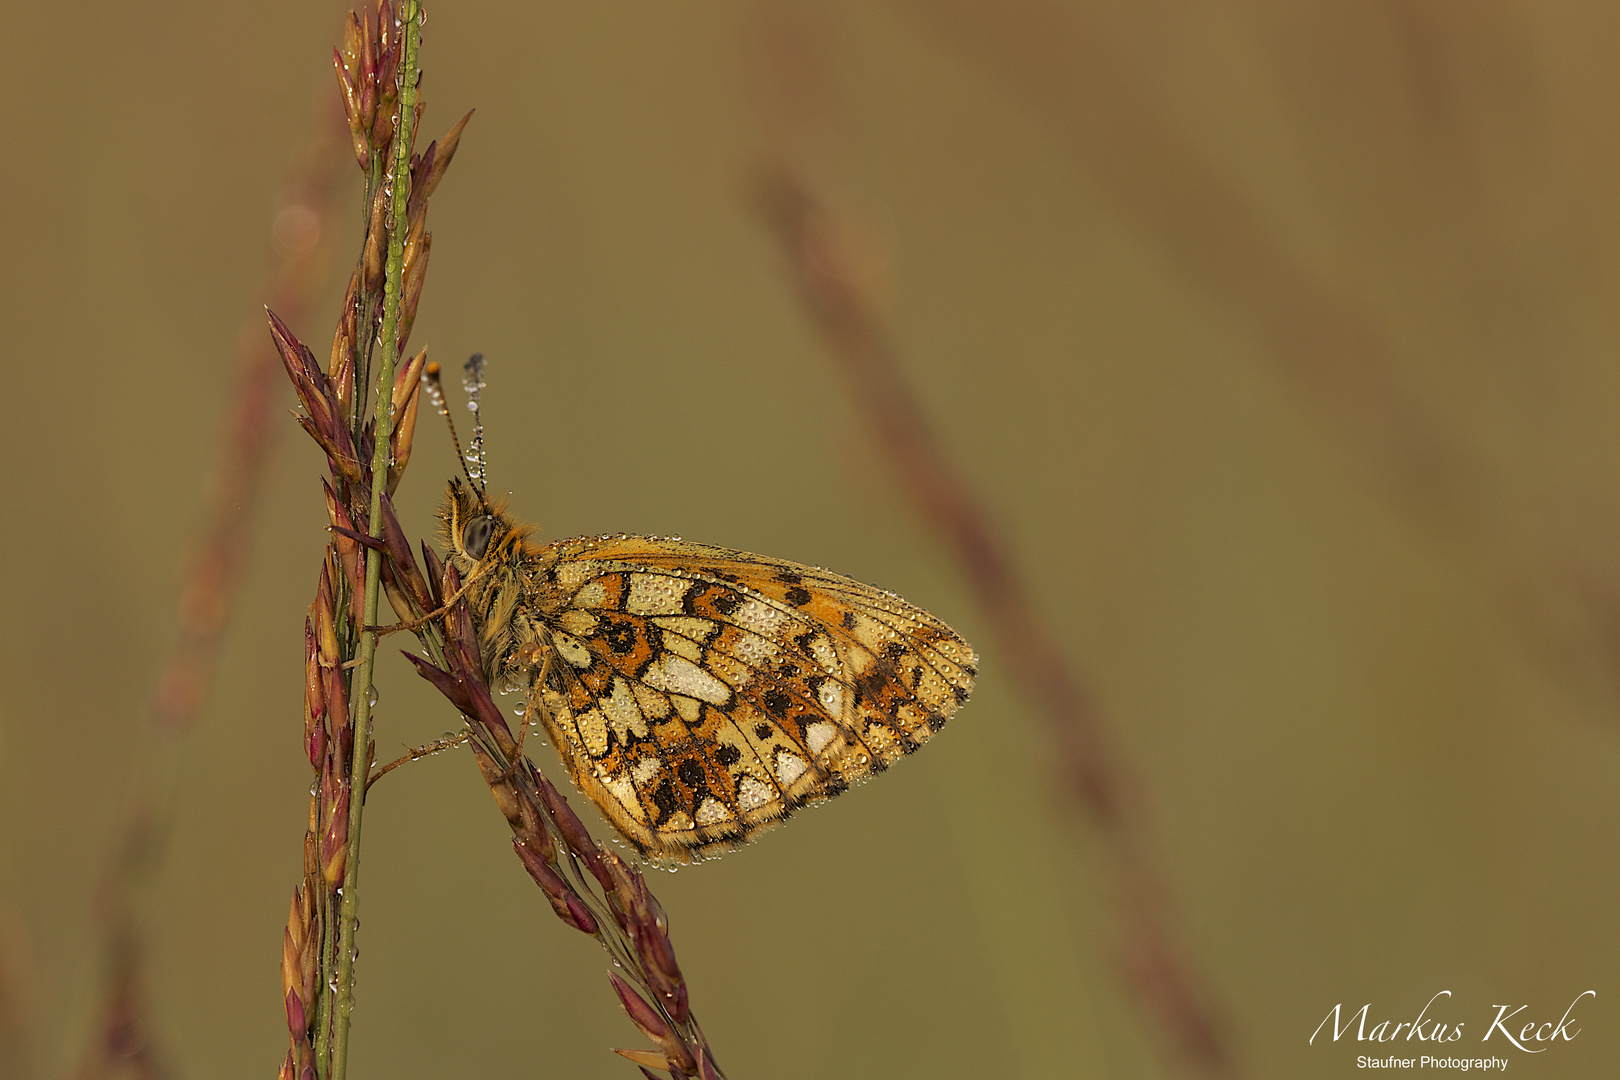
{"x": 438, "y": 746}
{"x": 537, "y": 687}
{"x": 437, "y": 613}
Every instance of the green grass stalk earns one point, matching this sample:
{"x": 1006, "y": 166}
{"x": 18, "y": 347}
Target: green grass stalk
{"x": 360, "y": 762}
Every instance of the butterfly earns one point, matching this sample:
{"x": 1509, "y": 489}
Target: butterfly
{"x": 698, "y": 695}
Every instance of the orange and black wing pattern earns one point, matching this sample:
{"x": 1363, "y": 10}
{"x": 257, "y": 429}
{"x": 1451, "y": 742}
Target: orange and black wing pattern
{"x": 699, "y": 695}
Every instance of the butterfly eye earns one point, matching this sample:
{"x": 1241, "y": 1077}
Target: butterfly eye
{"x": 475, "y": 537}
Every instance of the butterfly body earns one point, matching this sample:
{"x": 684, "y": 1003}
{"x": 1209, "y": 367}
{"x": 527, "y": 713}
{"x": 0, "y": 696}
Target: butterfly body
{"x": 698, "y": 694}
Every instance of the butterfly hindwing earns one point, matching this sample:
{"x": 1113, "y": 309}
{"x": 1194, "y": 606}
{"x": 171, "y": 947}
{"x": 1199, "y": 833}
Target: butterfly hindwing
{"x": 699, "y": 694}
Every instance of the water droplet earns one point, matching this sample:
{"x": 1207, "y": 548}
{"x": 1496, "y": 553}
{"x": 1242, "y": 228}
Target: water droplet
{"x": 371, "y": 697}
{"x": 521, "y": 709}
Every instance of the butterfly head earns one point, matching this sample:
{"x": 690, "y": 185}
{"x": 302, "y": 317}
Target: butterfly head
{"x": 474, "y": 531}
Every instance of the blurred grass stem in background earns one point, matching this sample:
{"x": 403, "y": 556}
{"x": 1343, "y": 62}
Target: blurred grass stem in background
{"x": 121, "y": 1039}
{"x": 821, "y": 242}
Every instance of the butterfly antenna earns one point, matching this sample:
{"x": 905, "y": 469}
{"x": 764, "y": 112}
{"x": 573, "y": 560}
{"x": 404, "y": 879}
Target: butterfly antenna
{"x": 472, "y": 381}
{"x": 435, "y": 389}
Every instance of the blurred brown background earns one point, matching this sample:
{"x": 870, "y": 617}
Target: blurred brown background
{"x": 1279, "y": 338}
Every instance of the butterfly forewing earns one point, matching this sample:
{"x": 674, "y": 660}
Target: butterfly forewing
{"x": 699, "y": 694}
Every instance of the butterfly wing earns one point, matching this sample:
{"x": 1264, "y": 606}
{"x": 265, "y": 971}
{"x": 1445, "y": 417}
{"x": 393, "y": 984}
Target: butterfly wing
{"x": 699, "y": 694}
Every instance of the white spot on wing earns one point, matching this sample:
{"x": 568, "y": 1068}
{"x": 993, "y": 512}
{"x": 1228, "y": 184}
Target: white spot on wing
{"x": 571, "y": 649}
{"x": 759, "y": 617}
{"x": 712, "y": 812}
{"x": 789, "y": 767}
{"x": 861, "y": 661}
{"x": 626, "y": 794}
{"x": 621, "y": 709}
{"x": 678, "y": 675}
{"x": 655, "y": 594}
{"x": 645, "y": 770}
{"x": 821, "y": 647}
{"x": 593, "y": 731}
{"x": 818, "y": 735}
{"x": 832, "y": 697}
{"x": 755, "y": 651}
{"x": 751, "y": 794}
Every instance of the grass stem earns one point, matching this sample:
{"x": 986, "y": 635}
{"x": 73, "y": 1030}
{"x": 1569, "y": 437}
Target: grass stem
{"x": 360, "y": 761}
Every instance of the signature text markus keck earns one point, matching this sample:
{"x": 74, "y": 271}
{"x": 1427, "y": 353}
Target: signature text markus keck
{"x": 1511, "y": 1028}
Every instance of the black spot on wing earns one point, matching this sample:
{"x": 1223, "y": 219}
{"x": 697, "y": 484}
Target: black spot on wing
{"x": 870, "y": 684}
{"x": 664, "y": 798}
{"x": 777, "y": 701}
{"x": 620, "y": 635}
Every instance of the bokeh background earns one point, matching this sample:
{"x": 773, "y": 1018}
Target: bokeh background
{"x": 1279, "y": 340}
